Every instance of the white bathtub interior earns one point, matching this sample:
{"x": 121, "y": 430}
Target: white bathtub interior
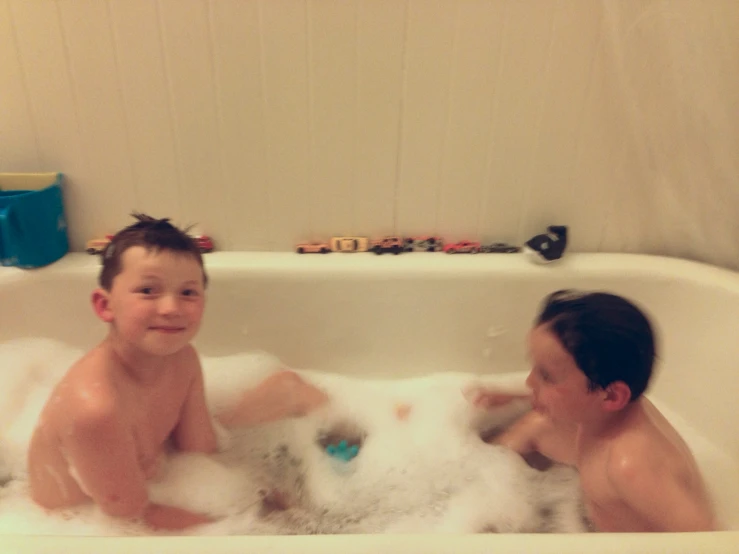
{"x": 395, "y": 317}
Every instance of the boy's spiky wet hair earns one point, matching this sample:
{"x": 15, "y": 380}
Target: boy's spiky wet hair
{"x": 154, "y": 235}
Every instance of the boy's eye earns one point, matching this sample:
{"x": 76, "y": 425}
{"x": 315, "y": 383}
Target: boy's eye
{"x": 189, "y": 292}
{"x": 146, "y": 290}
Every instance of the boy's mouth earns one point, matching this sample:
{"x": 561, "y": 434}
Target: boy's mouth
{"x": 167, "y": 329}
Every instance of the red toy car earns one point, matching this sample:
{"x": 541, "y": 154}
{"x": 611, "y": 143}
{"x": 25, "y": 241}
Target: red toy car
{"x": 462, "y": 247}
{"x": 204, "y": 242}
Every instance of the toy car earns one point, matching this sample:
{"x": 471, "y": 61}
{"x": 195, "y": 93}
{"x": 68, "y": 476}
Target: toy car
{"x": 423, "y": 244}
{"x": 499, "y": 248}
{"x": 204, "y": 242}
{"x": 313, "y": 248}
{"x": 462, "y": 247}
{"x": 98, "y": 246}
{"x": 349, "y": 244}
{"x": 388, "y": 244}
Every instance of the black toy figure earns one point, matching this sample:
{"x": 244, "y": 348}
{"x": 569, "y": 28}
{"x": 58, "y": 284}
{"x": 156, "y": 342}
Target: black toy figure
{"x": 548, "y": 247}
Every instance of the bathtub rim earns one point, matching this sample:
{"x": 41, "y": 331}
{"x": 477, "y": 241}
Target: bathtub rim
{"x": 604, "y": 543}
{"x": 407, "y": 265}
{"x": 415, "y": 264}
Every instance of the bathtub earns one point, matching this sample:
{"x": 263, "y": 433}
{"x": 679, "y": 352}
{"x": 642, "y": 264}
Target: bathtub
{"x": 396, "y": 316}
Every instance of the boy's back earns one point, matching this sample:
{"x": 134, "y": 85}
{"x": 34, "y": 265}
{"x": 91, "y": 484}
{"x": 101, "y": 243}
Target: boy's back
{"x": 641, "y": 476}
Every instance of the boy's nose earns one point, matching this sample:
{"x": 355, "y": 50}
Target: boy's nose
{"x": 168, "y": 304}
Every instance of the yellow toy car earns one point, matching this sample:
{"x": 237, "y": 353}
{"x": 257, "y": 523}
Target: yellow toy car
{"x": 349, "y": 244}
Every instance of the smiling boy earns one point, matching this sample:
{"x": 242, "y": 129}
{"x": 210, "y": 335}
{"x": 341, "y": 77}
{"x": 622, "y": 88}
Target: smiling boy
{"x": 107, "y": 424}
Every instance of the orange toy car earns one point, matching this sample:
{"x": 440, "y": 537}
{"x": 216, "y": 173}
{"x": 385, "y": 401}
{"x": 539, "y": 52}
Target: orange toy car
{"x": 98, "y": 246}
{"x": 313, "y": 248}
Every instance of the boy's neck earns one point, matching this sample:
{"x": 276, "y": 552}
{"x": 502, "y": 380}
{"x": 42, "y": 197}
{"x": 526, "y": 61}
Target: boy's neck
{"x": 606, "y": 424}
{"x": 141, "y": 367}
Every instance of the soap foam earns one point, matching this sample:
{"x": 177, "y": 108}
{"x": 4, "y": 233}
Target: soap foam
{"x": 427, "y": 471}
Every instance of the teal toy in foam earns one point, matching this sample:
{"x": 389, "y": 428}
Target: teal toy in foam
{"x": 342, "y": 451}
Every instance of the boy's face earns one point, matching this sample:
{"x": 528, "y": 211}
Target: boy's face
{"x": 560, "y": 389}
{"x": 156, "y": 302}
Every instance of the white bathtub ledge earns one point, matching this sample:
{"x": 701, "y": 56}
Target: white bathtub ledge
{"x": 601, "y": 543}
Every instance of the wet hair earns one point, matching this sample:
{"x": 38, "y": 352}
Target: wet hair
{"x": 155, "y": 235}
{"x": 609, "y": 338}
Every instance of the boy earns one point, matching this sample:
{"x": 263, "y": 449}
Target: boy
{"x": 103, "y": 431}
{"x": 592, "y": 356}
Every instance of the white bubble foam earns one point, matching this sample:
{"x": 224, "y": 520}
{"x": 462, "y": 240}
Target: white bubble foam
{"x": 421, "y": 468}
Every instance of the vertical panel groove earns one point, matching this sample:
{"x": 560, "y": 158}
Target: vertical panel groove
{"x": 135, "y": 179}
{"x": 403, "y": 95}
{"x": 356, "y": 193}
{"x": 83, "y": 160}
{"x": 24, "y": 85}
{"x": 265, "y": 108}
{"x": 440, "y": 184}
{"x": 581, "y": 125}
{"x": 170, "y": 107}
{"x": 487, "y": 185}
{"x": 527, "y": 184}
{"x": 310, "y": 100}
{"x": 231, "y": 232}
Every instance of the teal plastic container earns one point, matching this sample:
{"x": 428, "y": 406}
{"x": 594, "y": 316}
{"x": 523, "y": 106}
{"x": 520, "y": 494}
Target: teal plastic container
{"x": 33, "y": 226}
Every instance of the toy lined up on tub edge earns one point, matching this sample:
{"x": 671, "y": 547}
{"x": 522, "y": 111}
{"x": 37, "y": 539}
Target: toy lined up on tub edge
{"x": 98, "y": 246}
{"x": 544, "y": 248}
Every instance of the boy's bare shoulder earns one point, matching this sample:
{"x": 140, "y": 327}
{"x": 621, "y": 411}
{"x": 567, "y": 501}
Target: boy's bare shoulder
{"x": 190, "y": 356}
{"x": 648, "y": 450}
{"x": 187, "y": 364}
{"x": 86, "y": 389}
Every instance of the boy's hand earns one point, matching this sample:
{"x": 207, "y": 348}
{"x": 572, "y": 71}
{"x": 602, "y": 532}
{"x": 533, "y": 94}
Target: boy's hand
{"x": 487, "y": 398}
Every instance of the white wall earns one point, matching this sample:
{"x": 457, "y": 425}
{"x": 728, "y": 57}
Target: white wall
{"x": 275, "y": 121}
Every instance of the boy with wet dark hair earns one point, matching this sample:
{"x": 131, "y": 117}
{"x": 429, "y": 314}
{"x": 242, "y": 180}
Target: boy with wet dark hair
{"x": 592, "y": 355}
{"x": 106, "y": 426}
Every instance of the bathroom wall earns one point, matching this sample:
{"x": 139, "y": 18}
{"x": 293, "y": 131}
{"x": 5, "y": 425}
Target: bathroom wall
{"x": 276, "y": 121}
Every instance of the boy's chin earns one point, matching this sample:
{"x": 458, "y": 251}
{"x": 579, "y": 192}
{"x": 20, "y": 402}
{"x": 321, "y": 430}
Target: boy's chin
{"x": 167, "y": 347}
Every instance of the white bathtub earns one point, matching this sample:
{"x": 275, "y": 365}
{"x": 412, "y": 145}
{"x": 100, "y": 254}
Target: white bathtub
{"x": 412, "y": 314}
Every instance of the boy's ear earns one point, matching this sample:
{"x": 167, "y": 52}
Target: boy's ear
{"x": 617, "y": 395}
{"x": 101, "y": 304}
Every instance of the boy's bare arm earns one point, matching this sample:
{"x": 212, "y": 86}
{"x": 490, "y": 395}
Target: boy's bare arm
{"x": 194, "y": 431}
{"x": 103, "y": 456}
{"x": 535, "y": 432}
{"x": 281, "y": 395}
{"x": 102, "y": 453}
{"x": 522, "y": 434}
{"x": 654, "y": 492}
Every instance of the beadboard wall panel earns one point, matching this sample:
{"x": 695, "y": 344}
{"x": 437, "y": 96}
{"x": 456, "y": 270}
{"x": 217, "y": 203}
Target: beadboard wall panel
{"x": 269, "y": 122}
